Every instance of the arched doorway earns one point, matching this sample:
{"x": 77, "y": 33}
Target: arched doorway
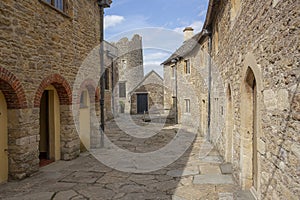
{"x": 249, "y": 131}
{"x": 49, "y": 145}
{"x": 85, "y": 121}
{"x": 203, "y": 117}
{"x": 229, "y": 126}
{"x": 3, "y": 140}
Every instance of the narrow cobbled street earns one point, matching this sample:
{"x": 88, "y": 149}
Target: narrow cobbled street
{"x": 86, "y": 178}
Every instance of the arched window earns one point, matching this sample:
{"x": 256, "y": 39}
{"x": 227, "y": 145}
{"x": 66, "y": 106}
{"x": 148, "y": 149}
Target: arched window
{"x": 235, "y": 8}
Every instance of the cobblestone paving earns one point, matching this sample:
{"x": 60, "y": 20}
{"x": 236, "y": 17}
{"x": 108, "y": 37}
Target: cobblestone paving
{"x": 188, "y": 178}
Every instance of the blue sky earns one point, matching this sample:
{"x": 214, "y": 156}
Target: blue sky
{"x": 159, "y": 22}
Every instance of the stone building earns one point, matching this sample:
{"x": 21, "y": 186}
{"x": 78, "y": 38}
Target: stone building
{"x": 40, "y": 62}
{"x": 148, "y": 95}
{"x": 130, "y": 69}
{"x": 185, "y": 89}
{"x": 253, "y": 90}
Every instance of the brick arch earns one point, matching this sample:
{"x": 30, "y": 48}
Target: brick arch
{"x": 12, "y": 89}
{"x": 92, "y": 88}
{"x": 62, "y": 87}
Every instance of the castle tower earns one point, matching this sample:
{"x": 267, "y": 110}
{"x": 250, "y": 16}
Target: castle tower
{"x": 130, "y": 69}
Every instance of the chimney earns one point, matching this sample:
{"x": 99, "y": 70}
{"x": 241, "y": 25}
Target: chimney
{"x": 188, "y": 33}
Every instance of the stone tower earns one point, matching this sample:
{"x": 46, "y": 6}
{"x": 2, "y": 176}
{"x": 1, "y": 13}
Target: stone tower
{"x": 130, "y": 69}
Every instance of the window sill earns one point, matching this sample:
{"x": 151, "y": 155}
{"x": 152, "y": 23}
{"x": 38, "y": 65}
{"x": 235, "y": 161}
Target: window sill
{"x": 54, "y": 8}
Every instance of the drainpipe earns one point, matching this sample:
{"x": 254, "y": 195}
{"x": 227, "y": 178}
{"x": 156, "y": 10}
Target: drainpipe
{"x": 112, "y": 87}
{"x": 102, "y": 4}
{"x": 208, "y": 33}
{"x": 175, "y": 60}
{"x": 111, "y": 56}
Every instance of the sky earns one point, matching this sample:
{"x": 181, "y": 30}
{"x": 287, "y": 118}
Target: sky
{"x": 159, "y": 22}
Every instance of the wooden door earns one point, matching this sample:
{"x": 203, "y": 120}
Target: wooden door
{"x": 3, "y": 140}
{"x": 142, "y": 103}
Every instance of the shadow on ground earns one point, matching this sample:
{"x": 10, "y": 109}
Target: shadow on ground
{"x": 87, "y": 178}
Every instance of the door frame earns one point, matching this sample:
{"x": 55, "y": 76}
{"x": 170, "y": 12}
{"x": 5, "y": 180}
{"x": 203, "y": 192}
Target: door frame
{"x": 4, "y": 140}
{"x": 141, "y": 93}
{"x": 85, "y": 110}
{"x": 229, "y": 124}
{"x": 246, "y": 173}
{"x": 54, "y": 123}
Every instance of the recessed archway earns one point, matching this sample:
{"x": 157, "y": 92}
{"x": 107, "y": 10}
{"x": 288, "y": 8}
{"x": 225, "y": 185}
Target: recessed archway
{"x": 86, "y": 102}
{"x": 49, "y": 144}
{"x": 12, "y": 100}
{"x": 69, "y": 140}
{"x": 203, "y": 117}
{"x": 12, "y": 90}
{"x": 85, "y": 120}
{"x": 250, "y": 127}
{"x": 62, "y": 87}
{"x": 229, "y": 125}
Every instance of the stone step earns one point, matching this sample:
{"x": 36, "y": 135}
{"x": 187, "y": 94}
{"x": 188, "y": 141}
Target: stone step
{"x": 213, "y": 179}
{"x": 226, "y": 168}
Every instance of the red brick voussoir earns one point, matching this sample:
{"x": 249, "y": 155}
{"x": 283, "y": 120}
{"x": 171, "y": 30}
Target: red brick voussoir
{"x": 62, "y": 87}
{"x": 12, "y": 89}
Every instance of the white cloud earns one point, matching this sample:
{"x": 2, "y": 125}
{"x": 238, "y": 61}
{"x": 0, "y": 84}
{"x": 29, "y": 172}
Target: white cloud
{"x": 112, "y": 20}
{"x": 202, "y": 13}
{"x": 156, "y": 56}
{"x": 197, "y": 26}
{"x": 152, "y": 63}
{"x": 155, "y": 65}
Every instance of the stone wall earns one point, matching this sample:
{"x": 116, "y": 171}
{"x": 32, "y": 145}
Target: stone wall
{"x": 132, "y": 71}
{"x": 46, "y": 50}
{"x": 190, "y": 86}
{"x": 153, "y": 86}
{"x": 263, "y": 40}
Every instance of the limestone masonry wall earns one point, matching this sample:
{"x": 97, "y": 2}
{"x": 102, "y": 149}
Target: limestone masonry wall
{"x": 130, "y": 65}
{"x": 42, "y": 46}
{"x": 261, "y": 42}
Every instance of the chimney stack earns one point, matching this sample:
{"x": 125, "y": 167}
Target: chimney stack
{"x": 188, "y": 33}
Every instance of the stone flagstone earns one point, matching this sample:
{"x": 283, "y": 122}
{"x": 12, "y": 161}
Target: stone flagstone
{"x": 213, "y": 179}
{"x": 188, "y": 178}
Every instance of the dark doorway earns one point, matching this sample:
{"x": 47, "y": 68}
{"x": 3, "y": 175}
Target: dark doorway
{"x": 142, "y": 103}
{"x": 44, "y": 127}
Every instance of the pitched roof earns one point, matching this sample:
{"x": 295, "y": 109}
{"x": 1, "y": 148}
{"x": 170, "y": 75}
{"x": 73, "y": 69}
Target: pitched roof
{"x": 189, "y": 45}
{"x": 185, "y": 49}
{"x": 145, "y": 78}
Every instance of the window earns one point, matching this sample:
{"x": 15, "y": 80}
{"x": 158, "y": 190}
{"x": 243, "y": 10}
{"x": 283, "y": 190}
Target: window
{"x": 124, "y": 63}
{"x": 122, "y": 90}
{"x": 173, "y": 71}
{"x": 83, "y": 99}
{"x": 187, "y": 105}
{"x": 187, "y": 67}
{"x": 59, "y": 4}
{"x": 107, "y": 79}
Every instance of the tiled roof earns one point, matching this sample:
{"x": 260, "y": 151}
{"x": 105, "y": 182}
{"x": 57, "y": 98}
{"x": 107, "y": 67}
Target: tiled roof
{"x": 185, "y": 49}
